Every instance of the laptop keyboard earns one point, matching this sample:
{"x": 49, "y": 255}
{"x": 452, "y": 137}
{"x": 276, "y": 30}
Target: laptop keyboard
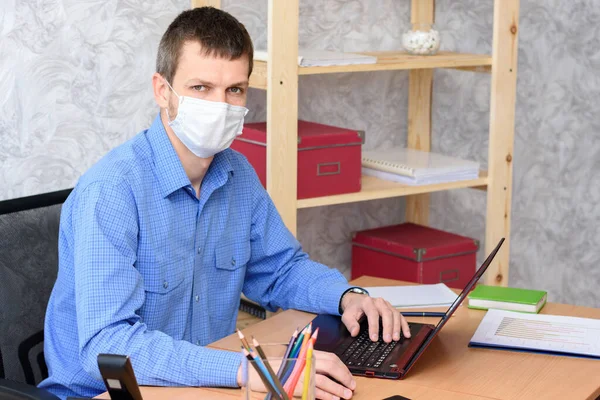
{"x": 362, "y": 352}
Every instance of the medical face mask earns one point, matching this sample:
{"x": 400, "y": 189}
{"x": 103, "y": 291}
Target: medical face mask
{"x": 206, "y": 127}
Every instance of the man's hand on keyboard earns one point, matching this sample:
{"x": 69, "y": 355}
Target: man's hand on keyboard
{"x": 356, "y": 305}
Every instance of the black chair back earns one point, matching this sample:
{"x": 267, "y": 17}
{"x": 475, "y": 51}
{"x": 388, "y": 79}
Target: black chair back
{"x": 28, "y": 268}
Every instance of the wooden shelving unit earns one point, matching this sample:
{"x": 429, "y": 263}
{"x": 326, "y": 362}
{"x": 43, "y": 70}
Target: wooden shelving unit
{"x": 374, "y": 188}
{"x": 279, "y": 77}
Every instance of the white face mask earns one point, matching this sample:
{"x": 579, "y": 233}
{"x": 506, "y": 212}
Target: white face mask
{"x": 206, "y": 127}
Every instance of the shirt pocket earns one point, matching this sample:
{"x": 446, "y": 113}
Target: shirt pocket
{"x": 232, "y": 256}
{"x": 228, "y": 279}
{"x": 166, "y": 278}
{"x": 164, "y": 290}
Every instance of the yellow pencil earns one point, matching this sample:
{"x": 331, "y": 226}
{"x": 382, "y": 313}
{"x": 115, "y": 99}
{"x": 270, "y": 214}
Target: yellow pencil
{"x": 307, "y": 371}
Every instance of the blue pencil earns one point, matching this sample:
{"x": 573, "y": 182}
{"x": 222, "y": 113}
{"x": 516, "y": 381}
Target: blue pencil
{"x": 284, "y": 359}
{"x": 262, "y": 373}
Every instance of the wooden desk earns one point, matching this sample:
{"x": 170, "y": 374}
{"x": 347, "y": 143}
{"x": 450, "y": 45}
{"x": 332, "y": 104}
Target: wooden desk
{"x": 448, "y": 369}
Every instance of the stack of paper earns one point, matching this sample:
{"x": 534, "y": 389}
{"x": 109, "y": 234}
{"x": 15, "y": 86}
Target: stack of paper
{"x": 321, "y": 58}
{"x": 419, "y": 296}
{"x": 414, "y": 167}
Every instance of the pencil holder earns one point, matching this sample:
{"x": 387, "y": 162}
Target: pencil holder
{"x": 296, "y": 376}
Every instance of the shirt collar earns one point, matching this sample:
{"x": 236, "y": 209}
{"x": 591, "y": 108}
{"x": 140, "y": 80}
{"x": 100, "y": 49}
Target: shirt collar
{"x": 169, "y": 171}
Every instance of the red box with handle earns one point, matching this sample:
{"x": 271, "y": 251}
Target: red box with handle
{"x": 414, "y": 253}
{"x": 329, "y": 157}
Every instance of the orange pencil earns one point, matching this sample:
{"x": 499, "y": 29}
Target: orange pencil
{"x": 290, "y": 385}
{"x": 313, "y": 339}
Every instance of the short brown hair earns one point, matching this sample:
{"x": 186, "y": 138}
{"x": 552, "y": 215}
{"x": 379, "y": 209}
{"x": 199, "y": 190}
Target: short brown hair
{"x": 218, "y": 32}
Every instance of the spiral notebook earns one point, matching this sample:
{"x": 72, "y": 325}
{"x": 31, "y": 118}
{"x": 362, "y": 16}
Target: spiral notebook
{"x": 417, "y": 167}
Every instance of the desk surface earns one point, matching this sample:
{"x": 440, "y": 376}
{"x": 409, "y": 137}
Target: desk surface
{"x": 449, "y": 369}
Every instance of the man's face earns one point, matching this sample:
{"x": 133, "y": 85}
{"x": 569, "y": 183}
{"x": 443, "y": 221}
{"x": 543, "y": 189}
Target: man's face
{"x": 208, "y": 78}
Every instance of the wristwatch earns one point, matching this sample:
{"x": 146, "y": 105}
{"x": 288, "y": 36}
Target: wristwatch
{"x": 351, "y": 290}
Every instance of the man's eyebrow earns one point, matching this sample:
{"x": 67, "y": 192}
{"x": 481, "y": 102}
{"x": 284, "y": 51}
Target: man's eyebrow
{"x": 198, "y": 81}
{"x": 241, "y": 83}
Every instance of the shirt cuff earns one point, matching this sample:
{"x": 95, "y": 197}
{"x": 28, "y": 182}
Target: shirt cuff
{"x": 330, "y": 300}
{"x": 223, "y": 365}
{"x": 244, "y": 369}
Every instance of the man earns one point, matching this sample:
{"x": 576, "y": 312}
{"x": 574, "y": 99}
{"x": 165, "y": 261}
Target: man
{"x": 161, "y": 236}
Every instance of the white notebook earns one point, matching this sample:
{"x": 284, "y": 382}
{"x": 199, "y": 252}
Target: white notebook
{"x": 419, "y": 164}
{"x": 320, "y": 58}
{"x": 426, "y": 180}
{"x": 416, "y": 296}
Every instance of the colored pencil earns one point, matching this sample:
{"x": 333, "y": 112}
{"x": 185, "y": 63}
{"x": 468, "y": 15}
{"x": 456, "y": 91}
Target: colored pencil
{"x": 295, "y": 354}
{"x": 274, "y": 377}
{"x": 313, "y": 339}
{"x": 261, "y": 373}
{"x": 296, "y": 348}
{"x": 285, "y": 358}
{"x": 288, "y": 350}
{"x": 307, "y": 369}
{"x": 292, "y": 381}
{"x": 243, "y": 339}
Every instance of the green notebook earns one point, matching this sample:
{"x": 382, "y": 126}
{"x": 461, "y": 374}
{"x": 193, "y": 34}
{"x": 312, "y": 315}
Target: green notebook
{"x": 484, "y": 297}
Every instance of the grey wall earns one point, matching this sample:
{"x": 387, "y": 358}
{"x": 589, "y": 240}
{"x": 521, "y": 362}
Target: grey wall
{"x": 76, "y": 75}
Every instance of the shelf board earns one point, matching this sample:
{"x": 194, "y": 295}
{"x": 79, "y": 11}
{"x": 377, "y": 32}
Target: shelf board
{"x": 374, "y": 188}
{"x": 388, "y": 60}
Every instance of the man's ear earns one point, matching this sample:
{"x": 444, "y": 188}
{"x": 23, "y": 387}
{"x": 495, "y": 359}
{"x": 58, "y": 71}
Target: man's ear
{"x": 161, "y": 90}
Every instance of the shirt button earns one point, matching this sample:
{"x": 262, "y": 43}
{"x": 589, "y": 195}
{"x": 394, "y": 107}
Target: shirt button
{"x": 197, "y": 343}
{"x": 197, "y": 298}
{"x": 198, "y": 250}
{"x": 165, "y": 284}
{"x": 233, "y": 261}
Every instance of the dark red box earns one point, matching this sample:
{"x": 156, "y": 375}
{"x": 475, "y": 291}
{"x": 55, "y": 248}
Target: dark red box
{"x": 329, "y": 158}
{"x": 414, "y": 253}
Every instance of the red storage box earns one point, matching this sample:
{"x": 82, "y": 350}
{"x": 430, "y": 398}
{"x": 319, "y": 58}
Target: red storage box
{"x": 415, "y": 253}
{"x": 329, "y": 158}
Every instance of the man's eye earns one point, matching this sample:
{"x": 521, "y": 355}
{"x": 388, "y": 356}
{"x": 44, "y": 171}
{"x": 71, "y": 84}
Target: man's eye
{"x": 236, "y": 90}
{"x": 200, "y": 88}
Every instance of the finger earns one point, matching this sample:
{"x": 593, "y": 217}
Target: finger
{"x": 330, "y": 364}
{"x": 351, "y": 322}
{"x": 373, "y": 317}
{"x": 405, "y": 328}
{"x": 323, "y": 395}
{"x": 328, "y": 386}
{"x": 387, "y": 319}
{"x": 397, "y": 323}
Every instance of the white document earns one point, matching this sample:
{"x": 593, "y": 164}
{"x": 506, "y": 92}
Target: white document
{"x": 418, "y": 164}
{"x": 417, "y": 181}
{"x": 417, "y": 296}
{"x": 538, "y": 332}
{"x": 320, "y": 58}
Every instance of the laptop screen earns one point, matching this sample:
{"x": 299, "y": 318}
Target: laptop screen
{"x": 461, "y": 297}
{"x": 457, "y": 302}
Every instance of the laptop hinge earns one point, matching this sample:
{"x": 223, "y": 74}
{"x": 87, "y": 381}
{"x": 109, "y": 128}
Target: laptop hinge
{"x": 413, "y": 348}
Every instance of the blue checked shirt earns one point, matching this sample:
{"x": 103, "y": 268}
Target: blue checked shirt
{"x": 149, "y": 270}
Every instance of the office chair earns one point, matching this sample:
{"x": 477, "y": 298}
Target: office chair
{"x": 28, "y": 267}
{"x": 12, "y": 390}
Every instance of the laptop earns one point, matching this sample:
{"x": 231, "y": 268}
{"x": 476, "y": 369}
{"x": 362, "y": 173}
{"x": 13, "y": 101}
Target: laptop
{"x": 379, "y": 359}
